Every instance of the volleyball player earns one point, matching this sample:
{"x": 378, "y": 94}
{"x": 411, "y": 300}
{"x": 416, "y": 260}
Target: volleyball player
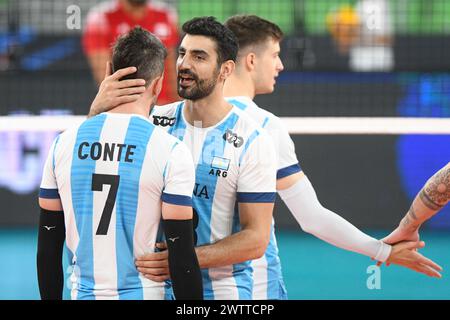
{"x": 257, "y": 67}
{"x": 105, "y": 186}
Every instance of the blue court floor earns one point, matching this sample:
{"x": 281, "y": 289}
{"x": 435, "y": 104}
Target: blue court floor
{"x": 312, "y": 269}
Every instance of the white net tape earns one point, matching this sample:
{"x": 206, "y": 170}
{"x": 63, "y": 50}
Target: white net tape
{"x": 295, "y": 125}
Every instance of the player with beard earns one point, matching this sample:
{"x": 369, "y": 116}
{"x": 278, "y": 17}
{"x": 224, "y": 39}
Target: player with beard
{"x": 235, "y": 163}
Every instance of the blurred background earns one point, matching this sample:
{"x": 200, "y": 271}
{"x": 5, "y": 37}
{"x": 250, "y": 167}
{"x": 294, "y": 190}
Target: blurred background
{"x": 342, "y": 58}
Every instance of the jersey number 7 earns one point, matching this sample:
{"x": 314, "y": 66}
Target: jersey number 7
{"x": 98, "y": 180}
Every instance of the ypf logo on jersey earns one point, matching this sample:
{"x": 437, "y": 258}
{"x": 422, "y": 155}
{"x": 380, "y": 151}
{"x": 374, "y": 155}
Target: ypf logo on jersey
{"x": 233, "y": 138}
{"x": 163, "y": 121}
{"x": 219, "y": 167}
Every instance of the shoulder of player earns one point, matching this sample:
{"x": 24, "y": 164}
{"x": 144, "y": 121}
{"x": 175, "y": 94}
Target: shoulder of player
{"x": 268, "y": 116}
{"x": 248, "y": 128}
{"x": 167, "y": 142}
{"x": 68, "y": 133}
{"x": 166, "y": 109}
{"x": 274, "y": 122}
{"x": 65, "y": 139}
{"x": 269, "y": 120}
{"x": 264, "y": 116}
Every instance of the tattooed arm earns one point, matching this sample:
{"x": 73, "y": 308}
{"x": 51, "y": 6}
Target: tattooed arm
{"x": 432, "y": 198}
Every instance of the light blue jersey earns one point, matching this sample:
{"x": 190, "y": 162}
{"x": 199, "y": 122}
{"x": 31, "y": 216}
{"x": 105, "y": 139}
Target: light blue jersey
{"x": 112, "y": 173}
{"x": 235, "y": 163}
{"x": 267, "y": 276}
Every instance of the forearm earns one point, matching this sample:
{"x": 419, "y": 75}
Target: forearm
{"x": 51, "y": 236}
{"x": 302, "y": 201}
{"x": 337, "y": 231}
{"x": 429, "y": 201}
{"x": 236, "y": 248}
{"x": 183, "y": 263}
{"x": 50, "y": 274}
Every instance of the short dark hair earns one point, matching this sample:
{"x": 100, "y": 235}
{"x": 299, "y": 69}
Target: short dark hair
{"x": 253, "y": 30}
{"x": 143, "y": 50}
{"x": 226, "y": 42}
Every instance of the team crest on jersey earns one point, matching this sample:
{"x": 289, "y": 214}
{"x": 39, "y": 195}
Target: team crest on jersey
{"x": 219, "y": 167}
{"x": 163, "y": 121}
{"x": 233, "y": 138}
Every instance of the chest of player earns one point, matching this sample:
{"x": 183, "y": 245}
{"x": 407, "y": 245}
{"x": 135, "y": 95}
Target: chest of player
{"x": 217, "y": 167}
{"x": 217, "y": 153}
{"x": 217, "y": 174}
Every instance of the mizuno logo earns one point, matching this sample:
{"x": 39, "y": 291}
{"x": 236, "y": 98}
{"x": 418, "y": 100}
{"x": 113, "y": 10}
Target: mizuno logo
{"x": 163, "y": 121}
{"x": 233, "y": 138}
{"x": 174, "y": 239}
{"x": 49, "y": 228}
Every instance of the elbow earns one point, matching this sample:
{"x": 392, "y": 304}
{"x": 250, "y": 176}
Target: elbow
{"x": 306, "y": 228}
{"x": 260, "y": 247}
{"x": 309, "y": 227}
{"x": 312, "y": 219}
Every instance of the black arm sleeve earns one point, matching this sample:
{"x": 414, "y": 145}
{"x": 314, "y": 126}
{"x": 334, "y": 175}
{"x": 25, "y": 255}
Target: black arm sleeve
{"x": 183, "y": 264}
{"x": 51, "y": 237}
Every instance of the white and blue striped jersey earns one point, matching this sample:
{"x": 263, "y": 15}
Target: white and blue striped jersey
{"x": 112, "y": 173}
{"x": 287, "y": 162}
{"x": 235, "y": 162}
{"x": 267, "y": 276}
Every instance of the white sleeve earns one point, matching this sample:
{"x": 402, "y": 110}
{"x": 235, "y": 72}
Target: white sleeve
{"x": 49, "y": 187}
{"x": 301, "y": 199}
{"x": 179, "y": 177}
{"x": 257, "y": 172}
{"x": 287, "y": 162}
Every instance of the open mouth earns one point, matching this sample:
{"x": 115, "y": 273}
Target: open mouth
{"x": 185, "y": 80}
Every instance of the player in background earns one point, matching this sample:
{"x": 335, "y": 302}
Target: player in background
{"x": 105, "y": 186}
{"x": 108, "y": 20}
{"x": 257, "y": 67}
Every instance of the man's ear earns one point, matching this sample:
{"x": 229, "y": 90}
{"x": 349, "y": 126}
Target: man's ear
{"x": 156, "y": 85}
{"x": 250, "y": 61}
{"x": 227, "y": 69}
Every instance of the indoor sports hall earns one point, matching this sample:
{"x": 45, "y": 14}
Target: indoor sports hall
{"x": 365, "y": 95}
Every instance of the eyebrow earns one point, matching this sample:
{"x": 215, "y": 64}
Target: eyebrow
{"x": 199, "y": 51}
{"x": 194, "y": 51}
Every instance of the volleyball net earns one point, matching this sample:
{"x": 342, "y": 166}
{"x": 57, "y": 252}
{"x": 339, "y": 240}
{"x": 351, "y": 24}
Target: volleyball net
{"x": 295, "y": 125}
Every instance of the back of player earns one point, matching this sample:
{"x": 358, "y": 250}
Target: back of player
{"x": 107, "y": 184}
{"x": 111, "y": 172}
